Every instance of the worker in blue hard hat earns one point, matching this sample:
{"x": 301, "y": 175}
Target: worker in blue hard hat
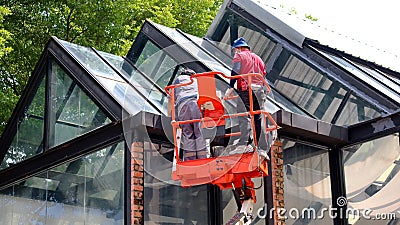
{"x": 245, "y": 62}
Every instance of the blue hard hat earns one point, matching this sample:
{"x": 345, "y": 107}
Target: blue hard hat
{"x": 240, "y": 42}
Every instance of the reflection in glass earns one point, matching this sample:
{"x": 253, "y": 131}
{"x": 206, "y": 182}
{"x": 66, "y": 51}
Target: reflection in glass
{"x": 6, "y": 205}
{"x": 377, "y": 188}
{"x": 157, "y": 64}
{"x": 283, "y": 103}
{"x": 309, "y": 89}
{"x": 165, "y": 201}
{"x": 229, "y": 206}
{"x": 357, "y": 110}
{"x": 194, "y": 50}
{"x": 320, "y": 95}
{"x": 108, "y": 77}
{"x": 72, "y": 112}
{"x": 28, "y": 141}
{"x": 259, "y": 43}
{"x": 387, "y": 80}
{"x": 307, "y": 182}
{"x": 91, "y": 61}
{"x": 129, "y": 99}
{"x": 256, "y": 38}
{"x": 88, "y": 190}
{"x": 212, "y": 48}
{"x": 151, "y": 90}
{"x": 365, "y": 77}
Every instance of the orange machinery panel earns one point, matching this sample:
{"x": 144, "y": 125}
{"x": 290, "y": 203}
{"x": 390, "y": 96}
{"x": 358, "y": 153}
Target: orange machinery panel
{"x": 221, "y": 171}
{"x": 209, "y": 103}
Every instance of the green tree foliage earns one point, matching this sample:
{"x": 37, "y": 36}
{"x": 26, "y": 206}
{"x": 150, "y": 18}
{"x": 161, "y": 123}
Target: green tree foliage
{"x": 7, "y": 97}
{"x": 107, "y": 25}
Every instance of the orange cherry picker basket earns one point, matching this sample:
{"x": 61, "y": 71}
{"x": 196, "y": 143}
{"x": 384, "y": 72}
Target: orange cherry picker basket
{"x": 229, "y": 171}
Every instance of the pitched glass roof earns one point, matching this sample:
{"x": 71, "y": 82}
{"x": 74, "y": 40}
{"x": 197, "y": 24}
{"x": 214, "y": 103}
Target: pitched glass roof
{"x": 215, "y": 59}
{"x": 113, "y": 81}
{"x": 375, "y": 80}
{"x": 297, "y": 29}
{"x": 331, "y": 85}
{"x": 191, "y": 47}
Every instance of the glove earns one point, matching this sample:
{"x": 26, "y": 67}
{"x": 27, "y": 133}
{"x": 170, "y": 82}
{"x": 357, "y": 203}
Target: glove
{"x": 228, "y": 92}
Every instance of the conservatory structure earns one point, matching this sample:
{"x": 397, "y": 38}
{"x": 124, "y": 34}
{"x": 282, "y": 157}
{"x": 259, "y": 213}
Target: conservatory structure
{"x": 90, "y": 140}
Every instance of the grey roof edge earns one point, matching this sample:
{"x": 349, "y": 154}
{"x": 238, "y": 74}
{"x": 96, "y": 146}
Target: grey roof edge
{"x": 271, "y": 21}
{"x": 374, "y": 128}
{"x": 291, "y": 125}
{"x": 299, "y": 127}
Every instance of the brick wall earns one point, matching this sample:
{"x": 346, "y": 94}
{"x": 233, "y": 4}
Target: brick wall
{"x": 137, "y": 183}
{"x": 277, "y": 181}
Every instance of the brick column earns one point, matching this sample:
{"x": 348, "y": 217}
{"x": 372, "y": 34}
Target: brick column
{"x": 277, "y": 181}
{"x": 137, "y": 183}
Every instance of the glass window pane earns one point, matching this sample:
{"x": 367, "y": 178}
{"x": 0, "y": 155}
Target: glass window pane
{"x": 6, "y": 205}
{"x": 157, "y": 64}
{"x": 213, "y": 48}
{"x": 191, "y": 48}
{"x": 256, "y": 38}
{"x": 129, "y": 99}
{"x": 165, "y": 201}
{"x": 283, "y": 103}
{"x": 390, "y": 83}
{"x": 309, "y": 89}
{"x": 377, "y": 188}
{"x": 151, "y": 90}
{"x": 72, "y": 112}
{"x": 91, "y": 61}
{"x": 148, "y": 51}
{"x": 364, "y": 77}
{"x": 259, "y": 43}
{"x": 28, "y": 141}
{"x": 108, "y": 77}
{"x": 88, "y": 190}
{"x": 229, "y": 206}
{"x": 225, "y": 43}
{"x": 357, "y": 110}
{"x": 306, "y": 183}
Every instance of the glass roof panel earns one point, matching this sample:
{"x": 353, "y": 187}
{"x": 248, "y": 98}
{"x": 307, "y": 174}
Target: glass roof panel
{"x": 357, "y": 110}
{"x": 157, "y": 64}
{"x": 199, "y": 52}
{"x": 71, "y": 112}
{"x": 382, "y": 78}
{"x": 27, "y": 142}
{"x": 129, "y": 99}
{"x": 118, "y": 88}
{"x": 190, "y": 47}
{"x": 212, "y": 48}
{"x": 364, "y": 77}
{"x": 284, "y": 103}
{"x": 391, "y": 77}
{"x": 150, "y": 90}
{"x": 90, "y": 60}
{"x": 311, "y": 90}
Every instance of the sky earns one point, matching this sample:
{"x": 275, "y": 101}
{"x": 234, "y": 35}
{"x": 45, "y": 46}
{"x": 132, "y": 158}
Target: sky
{"x": 369, "y": 21}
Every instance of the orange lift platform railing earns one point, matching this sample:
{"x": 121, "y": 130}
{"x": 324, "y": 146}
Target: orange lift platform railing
{"x": 227, "y": 171}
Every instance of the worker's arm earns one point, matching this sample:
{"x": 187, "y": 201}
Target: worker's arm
{"x": 169, "y": 108}
{"x": 235, "y": 71}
